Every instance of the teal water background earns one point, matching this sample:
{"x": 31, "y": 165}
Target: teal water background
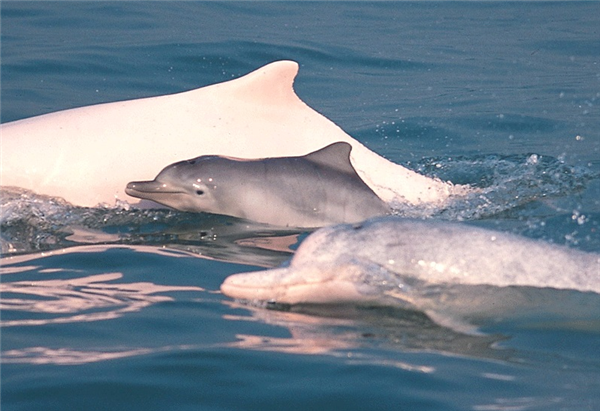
{"x": 465, "y": 91}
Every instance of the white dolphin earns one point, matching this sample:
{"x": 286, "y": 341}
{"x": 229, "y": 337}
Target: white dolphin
{"x": 411, "y": 261}
{"x": 88, "y": 155}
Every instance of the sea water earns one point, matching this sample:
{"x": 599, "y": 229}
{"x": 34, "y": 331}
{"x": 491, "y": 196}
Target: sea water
{"x": 110, "y": 308}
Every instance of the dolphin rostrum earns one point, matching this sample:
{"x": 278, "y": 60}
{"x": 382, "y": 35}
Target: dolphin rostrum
{"x": 313, "y": 190}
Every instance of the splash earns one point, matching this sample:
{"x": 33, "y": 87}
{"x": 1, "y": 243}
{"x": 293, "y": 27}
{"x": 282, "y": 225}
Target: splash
{"x": 33, "y": 223}
{"x": 502, "y": 183}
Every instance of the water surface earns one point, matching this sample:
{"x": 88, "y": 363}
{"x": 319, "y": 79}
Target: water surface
{"x": 116, "y": 309}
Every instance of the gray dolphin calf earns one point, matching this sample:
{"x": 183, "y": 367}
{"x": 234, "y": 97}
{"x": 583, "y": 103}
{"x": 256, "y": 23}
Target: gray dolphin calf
{"x": 318, "y": 189}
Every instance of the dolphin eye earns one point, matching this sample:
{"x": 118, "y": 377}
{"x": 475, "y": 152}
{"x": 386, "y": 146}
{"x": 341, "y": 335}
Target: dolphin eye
{"x": 200, "y": 192}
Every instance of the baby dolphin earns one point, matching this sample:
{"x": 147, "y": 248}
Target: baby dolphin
{"x": 314, "y": 190}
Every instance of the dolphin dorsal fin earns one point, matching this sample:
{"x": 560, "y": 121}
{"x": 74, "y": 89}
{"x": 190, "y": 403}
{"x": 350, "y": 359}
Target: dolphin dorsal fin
{"x": 336, "y": 155}
{"x": 270, "y": 84}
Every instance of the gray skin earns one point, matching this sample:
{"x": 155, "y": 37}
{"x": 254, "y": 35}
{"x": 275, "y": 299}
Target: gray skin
{"x": 315, "y": 190}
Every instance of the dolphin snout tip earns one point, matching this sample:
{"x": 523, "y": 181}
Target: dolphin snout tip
{"x": 249, "y": 286}
{"x": 145, "y": 186}
{"x": 142, "y": 189}
{"x": 136, "y": 187}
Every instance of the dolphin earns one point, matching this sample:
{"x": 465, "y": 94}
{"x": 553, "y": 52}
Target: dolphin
{"x": 318, "y": 189}
{"x": 87, "y": 155}
{"x": 394, "y": 260}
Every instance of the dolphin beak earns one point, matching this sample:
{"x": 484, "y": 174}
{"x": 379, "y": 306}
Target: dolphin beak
{"x": 259, "y": 286}
{"x": 291, "y": 286}
{"x": 148, "y": 189}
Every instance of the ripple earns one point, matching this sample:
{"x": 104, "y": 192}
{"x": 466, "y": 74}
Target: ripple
{"x": 44, "y": 296}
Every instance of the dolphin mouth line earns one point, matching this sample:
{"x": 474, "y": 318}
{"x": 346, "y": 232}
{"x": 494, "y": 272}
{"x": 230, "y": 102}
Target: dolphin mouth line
{"x": 135, "y": 190}
{"x": 145, "y": 188}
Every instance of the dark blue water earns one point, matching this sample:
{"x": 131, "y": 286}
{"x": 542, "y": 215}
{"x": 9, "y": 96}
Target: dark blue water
{"x": 503, "y": 96}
